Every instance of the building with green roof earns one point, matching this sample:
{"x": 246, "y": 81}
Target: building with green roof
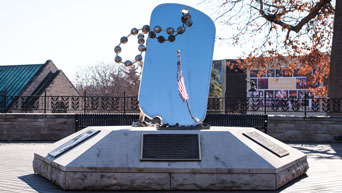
{"x": 32, "y": 80}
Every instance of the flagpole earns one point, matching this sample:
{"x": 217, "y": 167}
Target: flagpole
{"x": 192, "y": 116}
{"x": 185, "y": 99}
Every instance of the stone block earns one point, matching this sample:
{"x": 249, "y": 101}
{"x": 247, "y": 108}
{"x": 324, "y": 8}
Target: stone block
{"x": 308, "y": 135}
{"x": 291, "y": 173}
{"x": 117, "y": 181}
{"x": 300, "y": 125}
{"x": 335, "y": 130}
{"x": 293, "y": 135}
{"x": 61, "y": 122}
{"x": 11, "y": 120}
{"x": 322, "y": 131}
{"x": 57, "y": 176}
{"x": 324, "y": 137}
{"x": 42, "y": 168}
{"x": 316, "y": 126}
{"x": 185, "y": 181}
{"x": 6, "y": 125}
{"x": 279, "y": 136}
{"x": 22, "y": 120}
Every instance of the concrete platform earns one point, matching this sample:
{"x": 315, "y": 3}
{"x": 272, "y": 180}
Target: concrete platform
{"x": 110, "y": 160}
{"x": 324, "y": 175}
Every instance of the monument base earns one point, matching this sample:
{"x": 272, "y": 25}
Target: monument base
{"x": 230, "y": 159}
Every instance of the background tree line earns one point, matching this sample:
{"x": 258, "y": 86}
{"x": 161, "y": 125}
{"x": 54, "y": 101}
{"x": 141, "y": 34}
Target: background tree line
{"x": 107, "y": 79}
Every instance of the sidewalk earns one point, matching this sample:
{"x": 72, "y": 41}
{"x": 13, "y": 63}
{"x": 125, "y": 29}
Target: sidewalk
{"x": 324, "y": 174}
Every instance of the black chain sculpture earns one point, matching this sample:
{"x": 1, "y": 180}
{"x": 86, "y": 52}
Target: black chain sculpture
{"x": 186, "y": 22}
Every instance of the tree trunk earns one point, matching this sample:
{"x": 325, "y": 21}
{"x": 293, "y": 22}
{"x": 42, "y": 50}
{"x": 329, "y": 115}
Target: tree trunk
{"x": 335, "y": 77}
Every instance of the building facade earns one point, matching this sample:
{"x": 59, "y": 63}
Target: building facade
{"x": 272, "y": 84}
{"x": 31, "y": 88}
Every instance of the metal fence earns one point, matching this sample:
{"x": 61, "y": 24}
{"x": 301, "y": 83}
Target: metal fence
{"x": 262, "y": 105}
{"x": 69, "y": 104}
{"x": 110, "y": 119}
{"x": 129, "y": 104}
{"x": 107, "y": 119}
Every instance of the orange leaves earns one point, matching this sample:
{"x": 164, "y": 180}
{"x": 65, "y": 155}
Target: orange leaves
{"x": 230, "y": 65}
{"x": 314, "y": 66}
{"x": 320, "y": 91}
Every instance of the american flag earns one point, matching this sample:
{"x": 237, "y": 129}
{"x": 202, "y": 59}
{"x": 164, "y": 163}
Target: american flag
{"x": 180, "y": 80}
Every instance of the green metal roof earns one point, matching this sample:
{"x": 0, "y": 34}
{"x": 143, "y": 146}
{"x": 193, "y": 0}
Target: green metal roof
{"x": 13, "y": 78}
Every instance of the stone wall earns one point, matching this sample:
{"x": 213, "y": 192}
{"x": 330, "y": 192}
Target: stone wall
{"x": 35, "y": 126}
{"x": 305, "y": 129}
{"x": 41, "y": 127}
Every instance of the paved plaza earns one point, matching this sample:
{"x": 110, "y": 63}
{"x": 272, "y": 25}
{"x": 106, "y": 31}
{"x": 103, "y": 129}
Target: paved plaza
{"x": 324, "y": 174}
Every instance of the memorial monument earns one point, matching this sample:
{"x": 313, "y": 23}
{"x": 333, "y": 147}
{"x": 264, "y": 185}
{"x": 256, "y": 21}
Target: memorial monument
{"x": 179, "y": 152}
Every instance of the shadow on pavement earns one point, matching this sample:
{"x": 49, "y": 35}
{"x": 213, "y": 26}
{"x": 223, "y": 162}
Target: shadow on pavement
{"x": 293, "y": 182}
{"x": 40, "y": 184}
{"x": 321, "y": 151}
{"x": 338, "y": 149}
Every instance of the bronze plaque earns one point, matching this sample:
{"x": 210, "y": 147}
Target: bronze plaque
{"x": 73, "y": 142}
{"x": 267, "y": 144}
{"x": 170, "y": 147}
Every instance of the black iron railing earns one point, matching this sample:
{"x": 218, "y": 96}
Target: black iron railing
{"x": 129, "y": 104}
{"x": 265, "y": 105}
{"x": 100, "y": 119}
{"x": 238, "y": 120}
{"x": 69, "y": 104}
{"x": 110, "y": 119}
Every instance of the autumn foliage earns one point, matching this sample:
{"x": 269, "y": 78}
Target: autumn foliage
{"x": 294, "y": 36}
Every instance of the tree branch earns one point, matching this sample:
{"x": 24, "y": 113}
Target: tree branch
{"x": 275, "y": 18}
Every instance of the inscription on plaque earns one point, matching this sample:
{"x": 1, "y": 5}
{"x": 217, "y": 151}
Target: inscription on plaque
{"x": 73, "y": 142}
{"x": 267, "y": 144}
{"x": 171, "y": 147}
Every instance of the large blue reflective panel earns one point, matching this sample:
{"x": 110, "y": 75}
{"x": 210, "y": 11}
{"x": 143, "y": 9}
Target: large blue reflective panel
{"x": 159, "y": 92}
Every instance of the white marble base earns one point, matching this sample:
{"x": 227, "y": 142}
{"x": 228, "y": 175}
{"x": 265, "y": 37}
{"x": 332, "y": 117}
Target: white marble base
{"x": 111, "y": 161}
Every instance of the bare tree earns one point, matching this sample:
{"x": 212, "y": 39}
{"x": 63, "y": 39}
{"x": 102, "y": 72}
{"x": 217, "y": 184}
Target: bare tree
{"x": 108, "y": 80}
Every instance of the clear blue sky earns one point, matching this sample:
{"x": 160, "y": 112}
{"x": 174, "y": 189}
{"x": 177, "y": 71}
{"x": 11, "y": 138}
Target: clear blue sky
{"x": 76, "y": 33}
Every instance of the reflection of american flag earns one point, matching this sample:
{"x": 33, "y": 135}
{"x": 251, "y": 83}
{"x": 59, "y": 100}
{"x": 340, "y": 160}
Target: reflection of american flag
{"x": 180, "y": 80}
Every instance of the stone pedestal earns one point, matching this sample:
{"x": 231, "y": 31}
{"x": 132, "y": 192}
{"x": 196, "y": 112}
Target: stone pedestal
{"x": 110, "y": 160}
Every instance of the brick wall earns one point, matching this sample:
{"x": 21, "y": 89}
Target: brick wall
{"x": 61, "y": 86}
{"x": 35, "y": 126}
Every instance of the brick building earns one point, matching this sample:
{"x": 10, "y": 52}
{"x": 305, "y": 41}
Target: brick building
{"x": 31, "y": 86}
